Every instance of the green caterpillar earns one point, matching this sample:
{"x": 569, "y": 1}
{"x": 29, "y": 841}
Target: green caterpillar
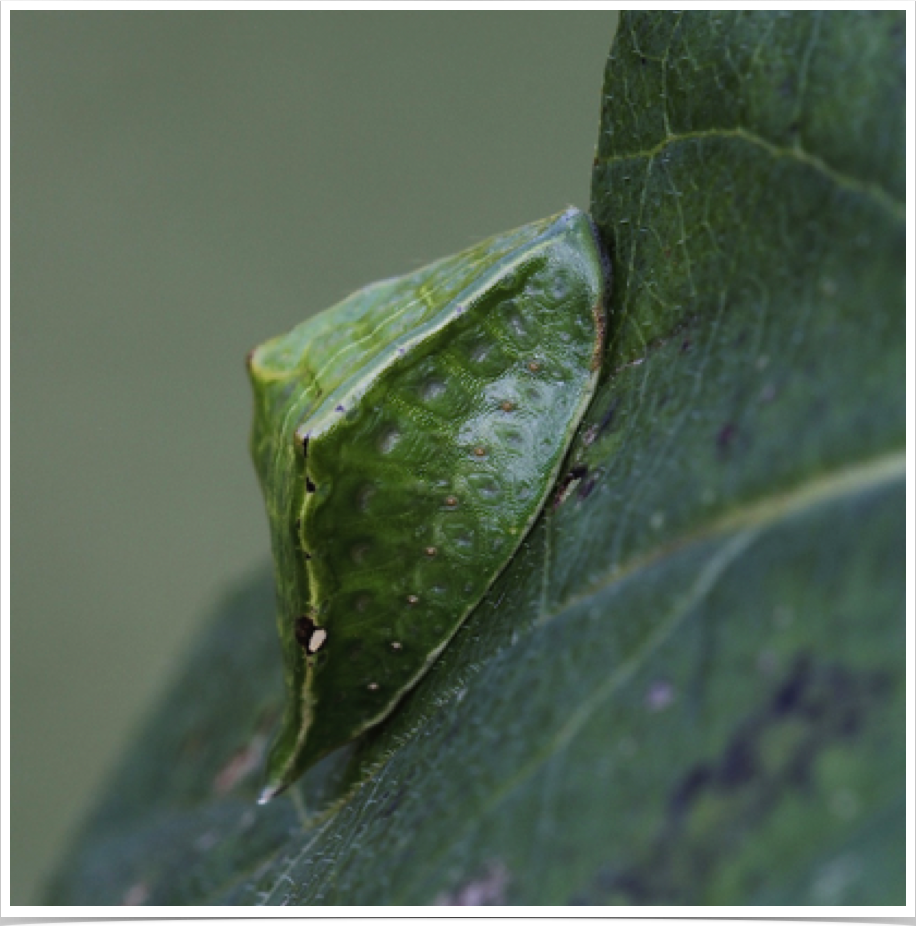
{"x": 406, "y": 440}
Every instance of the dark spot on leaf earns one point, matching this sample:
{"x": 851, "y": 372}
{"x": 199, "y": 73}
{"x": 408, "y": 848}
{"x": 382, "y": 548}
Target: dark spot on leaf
{"x": 815, "y": 709}
{"x": 788, "y": 694}
{"x": 821, "y": 702}
{"x": 575, "y": 472}
{"x": 390, "y": 802}
{"x": 587, "y": 487}
{"x": 738, "y": 764}
{"x": 726, "y": 437}
{"x": 608, "y": 418}
{"x": 687, "y": 789}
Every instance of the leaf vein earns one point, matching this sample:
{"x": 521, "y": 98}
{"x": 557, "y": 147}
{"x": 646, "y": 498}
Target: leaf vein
{"x": 868, "y": 188}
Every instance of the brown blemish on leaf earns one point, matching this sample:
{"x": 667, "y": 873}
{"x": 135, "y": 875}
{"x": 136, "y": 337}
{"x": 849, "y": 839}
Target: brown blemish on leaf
{"x": 601, "y": 329}
{"x": 587, "y": 487}
{"x": 588, "y": 438}
{"x": 138, "y": 893}
{"x": 487, "y": 890}
{"x": 245, "y": 762}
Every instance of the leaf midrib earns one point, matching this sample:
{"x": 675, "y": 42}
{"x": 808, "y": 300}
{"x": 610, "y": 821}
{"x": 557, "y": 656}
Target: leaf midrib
{"x": 758, "y": 513}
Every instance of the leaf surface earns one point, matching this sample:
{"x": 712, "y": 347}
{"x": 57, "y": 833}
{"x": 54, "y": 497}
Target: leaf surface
{"x": 689, "y": 686}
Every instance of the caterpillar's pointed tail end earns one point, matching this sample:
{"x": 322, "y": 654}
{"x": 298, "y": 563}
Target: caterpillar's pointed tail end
{"x": 273, "y": 790}
{"x": 270, "y": 791}
{"x": 279, "y": 769}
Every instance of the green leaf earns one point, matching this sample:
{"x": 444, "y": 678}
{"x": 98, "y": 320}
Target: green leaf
{"x": 688, "y": 687}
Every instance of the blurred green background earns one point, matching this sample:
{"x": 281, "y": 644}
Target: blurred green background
{"x": 185, "y": 185}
